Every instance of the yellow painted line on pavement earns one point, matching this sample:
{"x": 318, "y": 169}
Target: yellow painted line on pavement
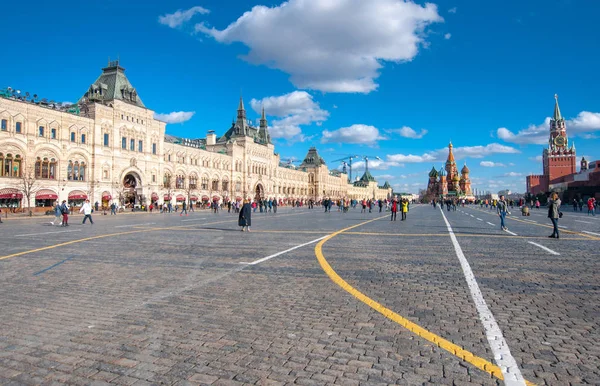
{"x": 178, "y": 227}
{"x": 445, "y": 344}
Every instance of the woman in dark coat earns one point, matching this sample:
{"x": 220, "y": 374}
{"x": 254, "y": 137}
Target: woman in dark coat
{"x": 245, "y": 218}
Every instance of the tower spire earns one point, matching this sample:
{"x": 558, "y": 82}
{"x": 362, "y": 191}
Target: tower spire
{"x": 557, "y": 115}
{"x": 241, "y": 105}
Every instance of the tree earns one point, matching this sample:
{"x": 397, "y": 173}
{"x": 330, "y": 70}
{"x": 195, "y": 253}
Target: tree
{"x": 28, "y": 184}
{"x": 189, "y": 189}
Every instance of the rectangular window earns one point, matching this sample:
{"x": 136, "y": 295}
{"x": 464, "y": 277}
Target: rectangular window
{"x": 140, "y": 146}
{"x": 82, "y": 138}
{"x": 132, "y": 144}
{"x": 4, "y": 125}
{"x": 154, "y": 178}
{"x": 41, "y": 131}
{"x": 72, "y": 136}
{"x": 153, "y": 148}
{"x": 18, "y": 127}
{"x": 53, "y": 133}
{"x": 124, "y": 143}
{"x": 105, "y": 139}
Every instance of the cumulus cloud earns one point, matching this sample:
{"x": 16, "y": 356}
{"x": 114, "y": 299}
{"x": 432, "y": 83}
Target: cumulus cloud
{"x": 179, "y": 17}
{"x": 292, "y": 110}
{"x": 447, "y": 36}
{"x": 538, "y": 158}
{"x": 512, "y": 174}
{"x": 452, "y": 10}
{"x": 175, "y": 117}
{"x": 490, "y": 164}
{"x": 356, "y": 134}
{"x": 375, "y": 164}
{"x": 441, "y": 155}
{"x": 583, "y": 125}
{"x": 296, "y": 38}
{"x": 408, "y": 132}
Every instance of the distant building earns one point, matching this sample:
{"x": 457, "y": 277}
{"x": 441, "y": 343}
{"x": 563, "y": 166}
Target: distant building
{"x": 559, "y": 165}
{"x": 447, "y": 182}
{"x": 110, "y": 148}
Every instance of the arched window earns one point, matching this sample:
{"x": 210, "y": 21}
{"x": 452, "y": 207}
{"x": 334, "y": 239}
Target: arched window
{"x": 238, "y": 186}
{"x": 215, "y": 184}
{"x": 167, "y": 180}
{"x": 10, "y": 166}
{"x": 180, "y": 182}
{"x": 226, "y": 185}
{"x": 193, "y": 182}
{"x": 205, "y": 183}
{"x": 45, "y": 168}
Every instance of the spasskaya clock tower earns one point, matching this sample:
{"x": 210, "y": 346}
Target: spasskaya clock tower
{"x": 559, "y": 159}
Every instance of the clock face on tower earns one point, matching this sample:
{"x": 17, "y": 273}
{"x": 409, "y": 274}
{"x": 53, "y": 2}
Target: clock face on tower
{"x": 560, "y": 141}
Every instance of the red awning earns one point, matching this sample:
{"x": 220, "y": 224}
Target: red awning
{"x": 238, "y": 198}
{"x": 180, "y": 198}
{"x": 10, "y": 193}
{"x": 216, "y": 198}
{"x": 167, "y": 198}
{"x": 106, "y": 197}
{"x": 77, "y": 195}
{"x": 154, "y": 196}
{"x": 46, "y": 194}
{"x": 205, "y": 198}
{"x": 194, "y": 198}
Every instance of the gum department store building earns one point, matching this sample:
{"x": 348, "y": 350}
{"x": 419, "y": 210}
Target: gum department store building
{"x": 109, "y": 148}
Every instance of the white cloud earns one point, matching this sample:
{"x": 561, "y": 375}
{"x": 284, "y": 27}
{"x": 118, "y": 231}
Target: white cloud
{"x": 408, "y": 132}
{"x": 375, "y": 164}
{"x": 513, "y": 174}
{"x": 296, "y": 38}
{"x": 384, "y": 177}
{"x": 582, "y": 125}
{"x": 459, "y": 153}
{"x": 335, "y": 106}
{"x": 452, "y": 10}
{"x": 490, "y": 164}
{"x": 175, "y": 117}
{"x": 357, "y": 134}
{"x": 447, "y": 36}
{"x": 293, "y": 110}
{"x": 179, "y": 17}
{"x": 538, "y": 158}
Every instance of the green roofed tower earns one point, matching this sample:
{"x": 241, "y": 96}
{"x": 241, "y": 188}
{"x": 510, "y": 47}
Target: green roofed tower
{"x": 112, "y": 85}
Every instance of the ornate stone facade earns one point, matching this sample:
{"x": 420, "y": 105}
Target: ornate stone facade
{"x": 110, "y": 148}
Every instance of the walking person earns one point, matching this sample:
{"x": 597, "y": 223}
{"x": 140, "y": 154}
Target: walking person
{"x": 86, "y": 209}
{"x": 57, "y": 214}
{"x": 64, "y": 210}
{"x": 275, "y": 205}
{"x": 502, "y": 209}
{"x": 113, "y": 209}
{"x": 183, "y": 209}
{"x": 554, "y": 213}
{"x": 245, "y": 217}
{"x": 591, "y": 204}
{"x": 404, "y": 208}
{"x": 394, "y": 209}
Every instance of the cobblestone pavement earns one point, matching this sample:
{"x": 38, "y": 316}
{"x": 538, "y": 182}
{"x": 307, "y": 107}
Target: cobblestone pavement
{"x": 164, "y": 299}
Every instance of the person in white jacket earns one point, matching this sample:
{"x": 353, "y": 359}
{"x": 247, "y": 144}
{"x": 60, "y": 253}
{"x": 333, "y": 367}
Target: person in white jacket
{"x": 86, "y": 209}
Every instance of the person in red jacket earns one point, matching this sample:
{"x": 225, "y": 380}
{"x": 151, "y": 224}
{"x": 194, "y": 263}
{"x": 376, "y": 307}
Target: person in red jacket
{"x": 394, "y": 209}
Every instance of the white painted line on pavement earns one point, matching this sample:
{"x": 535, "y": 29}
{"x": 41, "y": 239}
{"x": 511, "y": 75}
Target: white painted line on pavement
{"x": 472, "y": 215}
{"x": 135, "y": 225}
{"x": 510, "y": 233}
{"x": 585, "y": 222}
{"x": 544, "y": 248}
{"x": 591, "y": 233}
{"x": 491, "y": 223}
{"x": 562, "y": 226}
{"x": 194, "y": 219}
{"x": 502, "y": 356}
{"x": 479, "y": 219}
{"x": 282, "y": 252}
{"x": 47, "y": 233}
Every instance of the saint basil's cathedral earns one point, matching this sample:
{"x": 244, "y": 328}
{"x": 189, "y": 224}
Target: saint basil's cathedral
{"x": 447, "y": 182}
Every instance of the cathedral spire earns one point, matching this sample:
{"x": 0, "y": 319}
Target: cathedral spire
{"x": 450, "y": 154}
{"x": 557, "y": 115}
{"x": 241, "y": 105}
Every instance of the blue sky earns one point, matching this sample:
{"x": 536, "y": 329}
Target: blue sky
{"x": 385, "y": 78}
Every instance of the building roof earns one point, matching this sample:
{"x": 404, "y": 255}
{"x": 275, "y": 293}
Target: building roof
{"x": 433, "y": 172}
{"x": 367, "y": 177}
{"x": 465, "y": 169}
{"x": 312, "y": 159}
{"x": 557, "y": 115}
{"x": 111, "y": 85}
{"x": 450, "y": 159}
